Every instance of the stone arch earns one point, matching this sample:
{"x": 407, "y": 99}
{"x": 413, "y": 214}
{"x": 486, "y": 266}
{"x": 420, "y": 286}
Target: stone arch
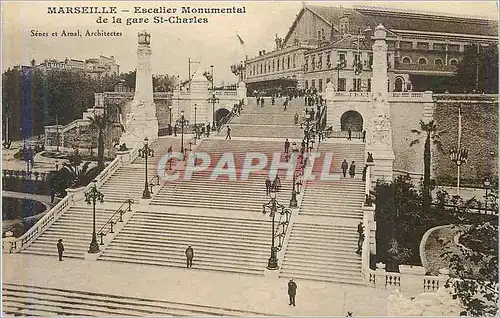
{"x": 399, "y": 84}
{"x": 422, "y": 61}
{"x": 453, "y": 62}
{"x": 406, "y": 60}
{"x": 220, "y": 113}
{"x": 351, "y": 119}
{"x": 438, "y": 61}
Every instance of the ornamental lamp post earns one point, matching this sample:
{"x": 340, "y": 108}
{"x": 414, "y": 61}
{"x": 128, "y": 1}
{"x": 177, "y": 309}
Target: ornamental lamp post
{"x": 459, "y": 157}
{"x": 275, "y": 207}
{"x": 91, "y": 197}
{"x": 146, "y": 152}
{"x": 170, "y": 119}
{"x": 293, "y": 200}
{"x": 182, "y": 121}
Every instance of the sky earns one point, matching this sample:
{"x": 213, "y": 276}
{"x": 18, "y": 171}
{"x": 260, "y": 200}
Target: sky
{"x": 213, "y": 43}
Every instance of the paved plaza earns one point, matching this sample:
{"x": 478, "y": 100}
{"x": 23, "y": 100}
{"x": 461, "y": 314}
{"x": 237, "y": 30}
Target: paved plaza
{"x": 266, "y": 295}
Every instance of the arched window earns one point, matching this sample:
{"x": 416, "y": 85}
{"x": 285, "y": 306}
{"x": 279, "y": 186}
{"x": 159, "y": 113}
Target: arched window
{"x": 406, "y": 60}
{"x": 453, "y": 62}
{"x": 422, "y": 61}
{"x": 438, "y": 62}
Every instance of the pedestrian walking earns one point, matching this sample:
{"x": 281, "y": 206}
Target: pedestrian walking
{"x": 344, "y": 167}
{"x": 175, "y": 130}
{"x": 285, "y": 104}
{"x": 296, "y": 118}
{"x": 277, "y": 183}
{"x": 292, "y": 291}
{"x": 364, "y": 135}
{"x": 361, "y": 237}
{"x": 287, "y": 146}
{"x": 169, "y": 151}
{"x": 189, "y": 256}
{"x": 228, "y": 133}
{"x": 273, "y": 101}
{"x": 349, "y": 134}
{"x": 352, "y": 170}
{"x": 208, "y": 130}
{"x": 268, "y": 185}
{"x": 60, "y": 249}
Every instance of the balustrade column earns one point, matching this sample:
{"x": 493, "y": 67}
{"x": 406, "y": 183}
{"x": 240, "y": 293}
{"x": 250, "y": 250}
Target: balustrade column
{"x": 444, "y": 275}
{"x": 380, "y": 276}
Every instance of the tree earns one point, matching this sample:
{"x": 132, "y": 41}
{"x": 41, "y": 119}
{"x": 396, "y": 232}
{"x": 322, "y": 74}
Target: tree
{"x": 100, "y": 123}
{"x": 432, "y": 135}
{"x": 478, "y": 70}
{"x": 163, "y": 83}
{"x": 76, "y": 174}
{"x": 474, "y": 267}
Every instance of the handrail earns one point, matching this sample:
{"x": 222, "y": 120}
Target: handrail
{"x": 110, "y": 220}
{"x": 41, "y": 225}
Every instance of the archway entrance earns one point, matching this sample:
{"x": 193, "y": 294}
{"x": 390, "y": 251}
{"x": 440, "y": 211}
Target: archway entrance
{"x": 398, "y": 84}
{"x": 220, "y": 113}
{"x": 351, "y": 120}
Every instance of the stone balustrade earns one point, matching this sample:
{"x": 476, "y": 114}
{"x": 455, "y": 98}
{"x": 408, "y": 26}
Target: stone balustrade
{"x": 14, "y": 245}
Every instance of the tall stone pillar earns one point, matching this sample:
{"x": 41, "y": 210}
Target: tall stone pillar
{"x": 379, "y": 130}
{"x": 329, "y": 97}
{"x": 141, "y": 121}
{"x": 199, "y": 96}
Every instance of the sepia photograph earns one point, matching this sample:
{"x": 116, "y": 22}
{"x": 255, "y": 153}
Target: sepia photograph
{"x": 250, "y": 158}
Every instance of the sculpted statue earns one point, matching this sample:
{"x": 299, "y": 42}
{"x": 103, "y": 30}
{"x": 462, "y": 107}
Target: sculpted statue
{"x": 440, "y": 303}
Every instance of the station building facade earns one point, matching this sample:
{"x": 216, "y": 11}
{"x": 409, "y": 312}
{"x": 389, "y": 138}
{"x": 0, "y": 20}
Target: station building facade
{"x": 334, "y": 44}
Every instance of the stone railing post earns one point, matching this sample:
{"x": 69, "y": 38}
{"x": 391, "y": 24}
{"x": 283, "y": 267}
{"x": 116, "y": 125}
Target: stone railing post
{"x": 444, "y": 275}
{"x": 380, "y": 276}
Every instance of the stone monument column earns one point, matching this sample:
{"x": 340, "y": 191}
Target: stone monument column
{"x": 141, "y": 121}
{"x": 379, "y": 130}
{"x": 199, "y": 96}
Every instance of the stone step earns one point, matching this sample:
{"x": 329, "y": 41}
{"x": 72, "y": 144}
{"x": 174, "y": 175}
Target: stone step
{"x": 101, "y": 304}
{"x": 341, "y": 279}
{"x": 201, "y": 255}
{"x": 152, "y": 261}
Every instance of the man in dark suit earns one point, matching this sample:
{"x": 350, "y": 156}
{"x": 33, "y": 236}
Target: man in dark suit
{"x": 292, "y": 290}
{"x": 60, "y": 249}
{"x": 189, "y": 256}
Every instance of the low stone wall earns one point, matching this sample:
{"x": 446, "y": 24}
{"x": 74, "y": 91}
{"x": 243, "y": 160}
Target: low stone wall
{"x": 479, "y": 136}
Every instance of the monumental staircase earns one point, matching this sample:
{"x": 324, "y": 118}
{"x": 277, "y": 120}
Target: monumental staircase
{"x": 323, "y": 240}
{"x": 268, "y": 121}
{"x": 28, "y": 300}
{"x": 227, "y": 193}
{"x": 74, "y": 227}
{"x": 156, "y": 237}
{"x": 128, "y": 181}
{"x": 221, "y": 218}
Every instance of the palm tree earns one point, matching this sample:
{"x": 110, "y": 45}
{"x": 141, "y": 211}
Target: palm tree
{"x": 100, "y": 123}
{"x": 79, "y": 176}
{"x": 429, "y": 130}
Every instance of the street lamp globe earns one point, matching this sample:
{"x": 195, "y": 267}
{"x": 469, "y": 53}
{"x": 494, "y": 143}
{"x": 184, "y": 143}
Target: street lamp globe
{"x": 182, "y": 113}
{"x": 94, "y": 184}
{"x": 272, "y": 194}
{"x": 170, "y": 107}
{"x": 146, "y": 140}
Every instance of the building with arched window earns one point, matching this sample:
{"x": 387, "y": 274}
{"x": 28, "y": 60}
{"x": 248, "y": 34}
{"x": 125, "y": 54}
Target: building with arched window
{"x": 423, "y": 48}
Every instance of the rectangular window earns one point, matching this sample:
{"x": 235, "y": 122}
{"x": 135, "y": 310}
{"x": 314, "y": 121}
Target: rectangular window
{"x": 320, "y": 85}
{"x": 278, "y": 65}
{"x": 273, "y": 65}
{"x": 453, "y": 47}
{"x": 313, "y": 83}
{"x": 424, "y": 46}
{"x": 328, "y": 63}
{"x": 313, "y": 64}
{"x": 356, "y": 84}
{"x": 307, "y": 84}
{"x": 342, "y": 57}
{"x": 341, "y": 86}
{"x": 406, "y": 45}
{"x": 438, "y": 47}
{"x": 369, "y": 85}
